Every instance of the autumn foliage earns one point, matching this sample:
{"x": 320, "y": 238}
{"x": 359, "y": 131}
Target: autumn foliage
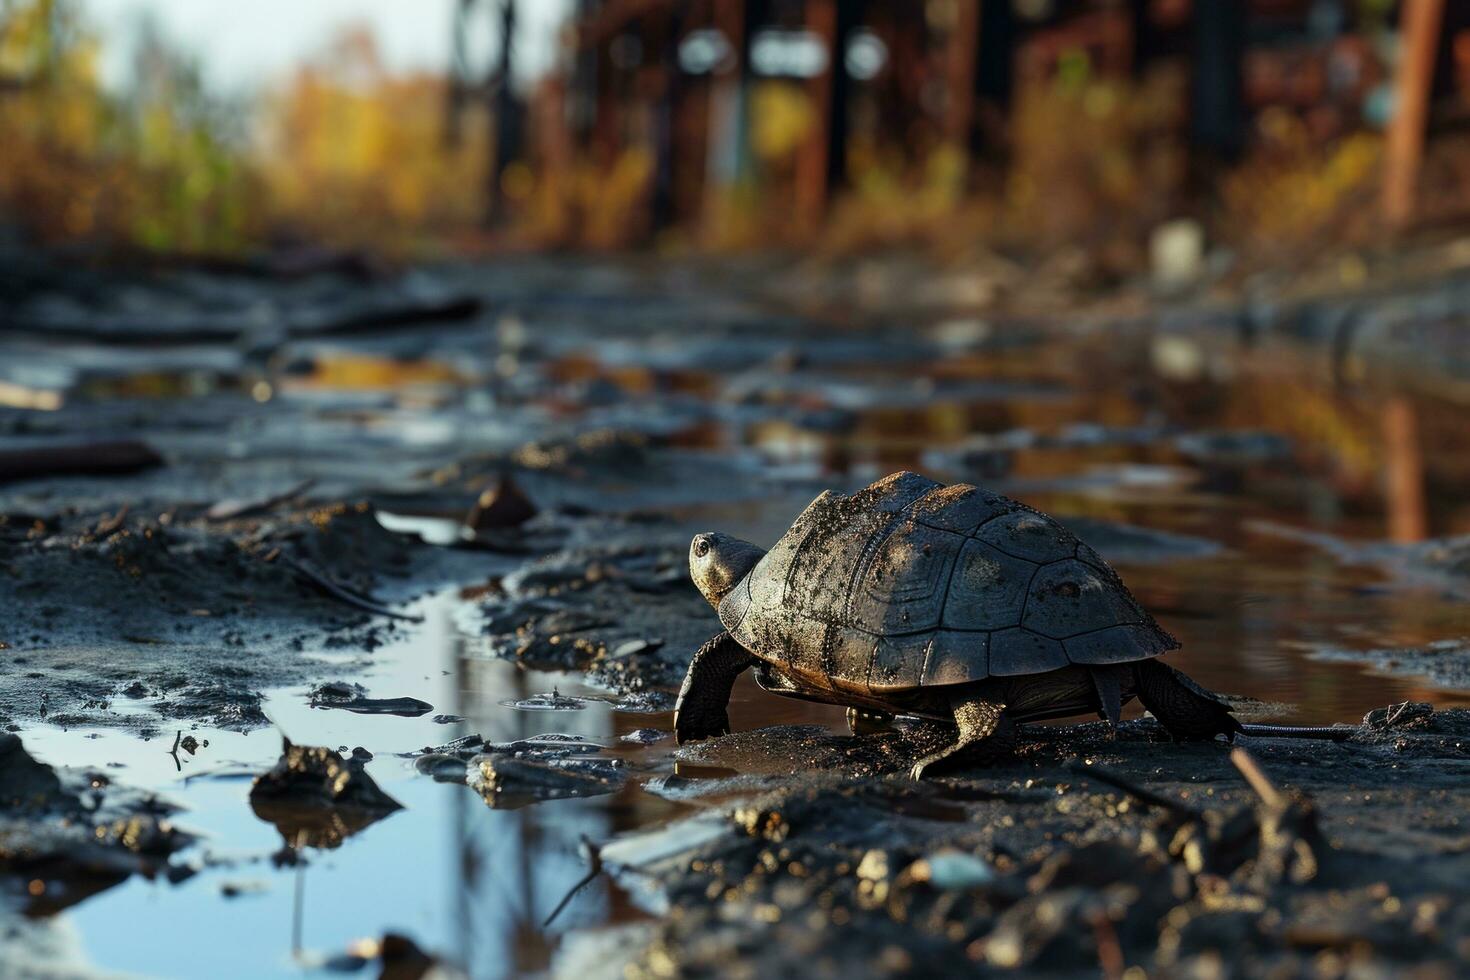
{"x": 342, "y": 152}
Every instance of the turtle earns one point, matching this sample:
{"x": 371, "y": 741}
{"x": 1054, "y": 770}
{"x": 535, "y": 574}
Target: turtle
{"x": 946, "y": 602}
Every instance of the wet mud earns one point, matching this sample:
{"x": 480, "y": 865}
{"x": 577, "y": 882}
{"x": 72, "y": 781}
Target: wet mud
{"x": 531, "y": 445}
{"x": 1090, "y": 852}
{"x": 131, "y": 619}
{"x": 66, "y": 835}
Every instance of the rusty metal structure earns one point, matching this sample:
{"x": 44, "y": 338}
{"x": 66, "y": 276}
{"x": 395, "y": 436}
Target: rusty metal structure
{"x": 679, "y": 79}
{"x": 491, "y": 88}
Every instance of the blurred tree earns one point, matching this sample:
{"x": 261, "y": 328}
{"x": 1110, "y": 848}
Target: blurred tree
{"x": 158, "y": 167}
{"x": 350, "y": 153}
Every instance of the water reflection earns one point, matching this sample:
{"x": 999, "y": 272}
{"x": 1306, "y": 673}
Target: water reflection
{"x": 471, "y": 883}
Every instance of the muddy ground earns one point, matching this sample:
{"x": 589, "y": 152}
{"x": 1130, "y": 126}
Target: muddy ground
{"x": 310, "y": 467}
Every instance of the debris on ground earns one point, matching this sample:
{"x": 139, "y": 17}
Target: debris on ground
{"x": 353, "y": 697}
{"x": 65, "y": 836}
{"x": 317, "y": 798}
{"x": 501, "y": 506}
{"x": 1136, "y": 853}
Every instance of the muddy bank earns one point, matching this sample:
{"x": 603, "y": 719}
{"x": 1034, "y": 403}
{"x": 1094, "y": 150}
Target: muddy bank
{"x": 1349, "y": 857}
{"x": 302, "y": 482}
{"x": 132, "y": 618}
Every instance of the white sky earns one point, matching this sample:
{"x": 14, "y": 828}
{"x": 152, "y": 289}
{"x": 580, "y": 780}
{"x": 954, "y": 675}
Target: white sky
{"x": 244, "y": 44}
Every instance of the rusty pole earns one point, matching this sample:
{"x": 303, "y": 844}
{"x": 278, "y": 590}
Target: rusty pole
{"x": 963, "y": 42}
{"x": 1419, "y": 26}
{"x": 1408, "y": 519}
{"x": 811, "y": 164}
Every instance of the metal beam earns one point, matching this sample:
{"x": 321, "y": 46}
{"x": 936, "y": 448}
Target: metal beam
{"x": 1420, "y": 22}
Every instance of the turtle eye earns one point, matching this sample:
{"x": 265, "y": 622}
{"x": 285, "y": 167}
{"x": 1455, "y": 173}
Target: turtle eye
{"x": 701, "y": 546}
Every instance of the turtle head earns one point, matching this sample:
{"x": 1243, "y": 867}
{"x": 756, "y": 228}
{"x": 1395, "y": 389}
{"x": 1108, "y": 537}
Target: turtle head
{"x": 718, "y": 561}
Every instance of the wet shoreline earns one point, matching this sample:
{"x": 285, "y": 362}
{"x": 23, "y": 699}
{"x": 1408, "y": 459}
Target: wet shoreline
{"x": 313, "y": 486}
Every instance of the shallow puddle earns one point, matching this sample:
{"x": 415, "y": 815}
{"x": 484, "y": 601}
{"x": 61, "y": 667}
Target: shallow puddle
{"x": 465, "y": 880}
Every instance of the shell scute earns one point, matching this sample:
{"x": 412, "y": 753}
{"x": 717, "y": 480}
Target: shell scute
{"x": 1071, "y": 597}
{"x": 1029, "y": 535}
{"x": 904, "y": 586}
{"x": 1118, "y": 644}
{"x": 959, "y": 508}
{"x": 849, "y": 658}
{"x": 956, "y": 657}
{"x": 898, "y": 663}
{"x": 987, "y": 590}
{"x": 1020, "y": 651}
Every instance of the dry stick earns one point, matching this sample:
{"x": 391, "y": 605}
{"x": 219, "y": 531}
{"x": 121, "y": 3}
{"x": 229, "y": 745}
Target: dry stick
{"x": 342, "y": 593}
{"x": 1140, "y": 793}
{"x": 594, "y": 855}
{"x": 89, "y": 459}
{"x": 108, "y": 525}
{"x": 226, "y": 510}
{"x": 1109, "y": 950}
{"x": 1259, "y": 781}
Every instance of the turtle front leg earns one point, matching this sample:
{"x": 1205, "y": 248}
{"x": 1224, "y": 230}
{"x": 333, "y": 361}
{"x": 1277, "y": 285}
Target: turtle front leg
{"x": 1186, "y": 710}
{"x": 986, "y": 735}
{"x": 700, "y": 710}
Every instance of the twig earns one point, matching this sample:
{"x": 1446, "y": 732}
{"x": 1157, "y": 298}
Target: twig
{"x": 342, "y": 593}
{"x": 1109, "y": 950}
{"x": 178, "y": 737}
{"x": 1259, "y": 781}
{"x": 88, "y": 459}
{"x": 594, "y": 856}
{"x": 108, "y": 525}
{"x": 226, "y": 510}
{"x": 1140, "y": 793}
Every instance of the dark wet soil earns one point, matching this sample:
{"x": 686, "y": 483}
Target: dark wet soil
{"x": 1088, "y": 853}
{"x": 534, "y": 443}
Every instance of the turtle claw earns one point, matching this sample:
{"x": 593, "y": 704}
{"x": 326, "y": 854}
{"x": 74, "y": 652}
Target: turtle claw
{"x": 929, "y": 765}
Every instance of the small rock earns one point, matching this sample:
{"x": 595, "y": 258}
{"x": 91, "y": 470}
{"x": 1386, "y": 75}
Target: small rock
{"x": 503, "y": 505}
{"x": 24, "y": 782}
{"x": 315, "y": 796}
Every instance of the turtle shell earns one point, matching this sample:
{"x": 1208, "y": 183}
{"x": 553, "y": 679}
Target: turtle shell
{"x": 909, "y": 583}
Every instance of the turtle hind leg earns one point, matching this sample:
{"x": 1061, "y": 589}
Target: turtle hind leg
{"x": 700, "y": 711}
{"x": 1186, "y": 710}
{"x": 868, "y": 721}
{"x": 986, "y": 735}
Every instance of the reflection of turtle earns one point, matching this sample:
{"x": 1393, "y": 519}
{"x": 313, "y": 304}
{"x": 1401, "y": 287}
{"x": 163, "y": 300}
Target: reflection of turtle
{"x": 945, "y": 602}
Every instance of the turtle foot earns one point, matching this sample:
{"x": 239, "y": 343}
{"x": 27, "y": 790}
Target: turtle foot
{"x": 696, "y": 727}
{"x": 1187, "y": 711}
